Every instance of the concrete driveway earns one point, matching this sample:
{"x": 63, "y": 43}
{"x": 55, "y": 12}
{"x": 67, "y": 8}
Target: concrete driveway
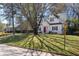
{"x": 6, "y": 50}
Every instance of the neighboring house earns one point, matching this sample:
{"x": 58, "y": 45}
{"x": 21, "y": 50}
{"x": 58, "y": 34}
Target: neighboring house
{"x": 9, "y": 28}
{"x": 53, "y": 24}
{"x": 23, "y": 27}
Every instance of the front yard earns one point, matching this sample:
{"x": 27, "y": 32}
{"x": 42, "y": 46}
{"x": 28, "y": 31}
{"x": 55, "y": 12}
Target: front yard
{"x": 45, "y": 42}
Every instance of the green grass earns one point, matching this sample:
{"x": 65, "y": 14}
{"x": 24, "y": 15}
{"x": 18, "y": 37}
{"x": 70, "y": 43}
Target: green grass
{"x": 46, "y": 42}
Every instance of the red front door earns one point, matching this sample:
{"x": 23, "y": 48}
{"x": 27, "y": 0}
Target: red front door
{"x": 44, "y": 29}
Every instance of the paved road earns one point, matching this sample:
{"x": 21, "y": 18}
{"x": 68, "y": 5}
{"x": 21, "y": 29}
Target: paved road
{"x": 6, "y": 50}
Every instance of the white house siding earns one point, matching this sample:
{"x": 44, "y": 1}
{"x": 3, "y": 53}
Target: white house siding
{"x": 49, "y": 28}
{"x": 59, "y": 31}
{"x": 53, "y": 24}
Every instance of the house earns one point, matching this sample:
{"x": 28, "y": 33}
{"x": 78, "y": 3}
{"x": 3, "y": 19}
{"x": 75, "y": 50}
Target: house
{"x": 56, "y": 25}
{"x": 23, "y": 27}
{"x": 53, "y": 24}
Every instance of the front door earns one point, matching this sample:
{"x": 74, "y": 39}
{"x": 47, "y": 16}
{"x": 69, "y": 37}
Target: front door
{"x": 44, "y": 29}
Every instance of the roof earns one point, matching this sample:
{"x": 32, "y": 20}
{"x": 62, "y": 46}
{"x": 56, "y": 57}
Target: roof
{"x": 55, "y": 23}
{"x": 60, "y": 20}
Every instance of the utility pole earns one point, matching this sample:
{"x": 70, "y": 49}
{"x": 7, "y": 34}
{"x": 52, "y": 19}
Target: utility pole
{"x": 65, "y": 30}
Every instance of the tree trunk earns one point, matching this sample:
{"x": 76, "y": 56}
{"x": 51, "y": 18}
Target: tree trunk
{"x": 13, "y": 26}
{"x": 35, "y": 31}
{"x": 13, "y": 19}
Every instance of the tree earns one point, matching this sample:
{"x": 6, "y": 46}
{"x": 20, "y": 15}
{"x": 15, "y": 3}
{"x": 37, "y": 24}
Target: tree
{"x": 75, "y": 7}
{"x": 2, "y": 27}
{"x": 9, "y": 13}
{"x": 56, "y": 8}
{"x": 35, "y": 12}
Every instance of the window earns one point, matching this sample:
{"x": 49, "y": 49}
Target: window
{"x": 52, "y": 28}
{"x": 55, "y": 28}
{"x": 51, "y": 19}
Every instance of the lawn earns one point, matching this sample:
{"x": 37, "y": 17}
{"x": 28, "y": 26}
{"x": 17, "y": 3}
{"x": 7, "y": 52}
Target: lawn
{"x": 45, "y": 42}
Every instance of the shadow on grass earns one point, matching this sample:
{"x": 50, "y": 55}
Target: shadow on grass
{"x": 65, "y": 51}
{"x": 11, "y": 39}
{"x": 30, "y": 43}
{"x": 68, "y": 42}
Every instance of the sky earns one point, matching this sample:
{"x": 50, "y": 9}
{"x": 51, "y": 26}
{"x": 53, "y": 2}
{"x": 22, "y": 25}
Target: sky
{"x": 2, "y": 19}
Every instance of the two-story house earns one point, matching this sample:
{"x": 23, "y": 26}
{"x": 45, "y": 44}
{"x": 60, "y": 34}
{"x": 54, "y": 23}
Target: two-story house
{"x": 53, "y": 24}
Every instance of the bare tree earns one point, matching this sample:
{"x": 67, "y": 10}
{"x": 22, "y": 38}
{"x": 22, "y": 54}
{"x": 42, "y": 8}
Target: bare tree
{"x": 9, "y": 13}
{"x": 35, "y": 12}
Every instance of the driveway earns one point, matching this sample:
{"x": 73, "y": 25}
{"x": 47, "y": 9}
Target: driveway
{"x": 6, "y": 50}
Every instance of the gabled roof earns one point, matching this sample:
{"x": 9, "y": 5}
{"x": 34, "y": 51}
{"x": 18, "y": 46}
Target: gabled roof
{"x": 54, "y": 23}
{"x": 60, "y": 20}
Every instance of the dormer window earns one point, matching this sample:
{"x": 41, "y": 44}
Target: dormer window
{"x": 51, "y": 19}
